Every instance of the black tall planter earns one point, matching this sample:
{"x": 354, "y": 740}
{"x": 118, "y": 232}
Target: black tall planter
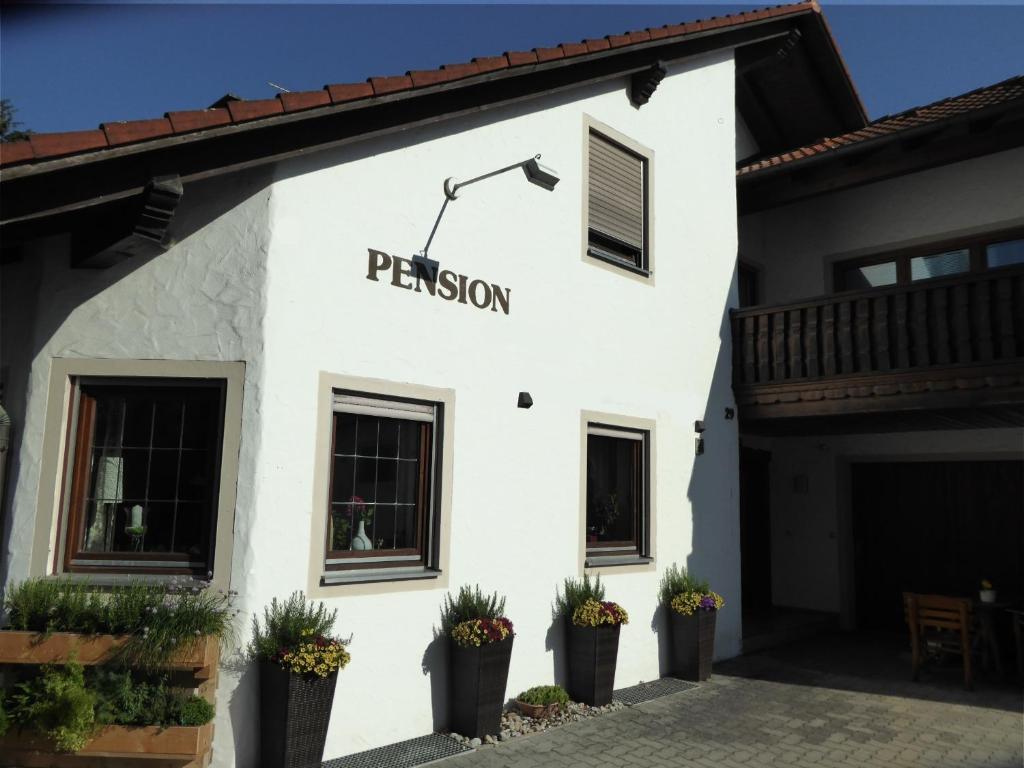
{"x": 693, "y": 644}
{"x": 294, "y": 714}
{"x": 479, "y": 675}
{"x": 592, "y": 655}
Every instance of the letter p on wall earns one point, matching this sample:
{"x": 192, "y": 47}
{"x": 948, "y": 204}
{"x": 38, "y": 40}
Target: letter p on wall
{"x": 378, "y": 262}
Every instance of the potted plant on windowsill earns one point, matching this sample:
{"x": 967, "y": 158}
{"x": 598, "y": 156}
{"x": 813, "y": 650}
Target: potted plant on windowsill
{"x": 299, "y": 662}
{"x": 592, "y": 638}
{"x": 692, "y": 608}
{"x": 480, "y": 639}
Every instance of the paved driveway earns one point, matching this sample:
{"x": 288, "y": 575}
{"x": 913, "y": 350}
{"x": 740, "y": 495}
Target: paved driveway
{"x": 792, "y": 708}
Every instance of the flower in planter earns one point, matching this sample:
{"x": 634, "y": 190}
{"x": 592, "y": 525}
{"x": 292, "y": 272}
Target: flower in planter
{"x": 685, "y": 594}
{"x": 477, "y": 632}
{"x": 313, "y": 655}
{"x": 594, "y": 613}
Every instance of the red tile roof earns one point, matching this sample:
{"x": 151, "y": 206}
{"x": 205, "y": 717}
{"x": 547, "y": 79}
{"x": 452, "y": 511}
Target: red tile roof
{"x": 892, "y": 125}
{"x": 45, "y": 146}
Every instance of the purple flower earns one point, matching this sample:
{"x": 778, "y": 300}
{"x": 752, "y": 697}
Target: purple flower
{"x": 707, "y": 603}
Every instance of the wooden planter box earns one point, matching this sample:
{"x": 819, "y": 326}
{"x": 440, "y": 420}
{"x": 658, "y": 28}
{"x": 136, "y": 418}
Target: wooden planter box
{"x": 139, "y": 745}
{"x": 34, "y": 648}
{"x": 478, "y": 679}
{"x": 693, "y": 644}
{"x": 593, "y": 652}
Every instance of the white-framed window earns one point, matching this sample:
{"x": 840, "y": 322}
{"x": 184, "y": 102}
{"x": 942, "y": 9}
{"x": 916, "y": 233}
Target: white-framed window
{"x": 618, "y": 490}
{"x": 382, "y": 501}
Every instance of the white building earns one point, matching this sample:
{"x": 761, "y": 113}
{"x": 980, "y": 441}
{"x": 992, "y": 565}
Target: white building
{"x": 216, "y": 310}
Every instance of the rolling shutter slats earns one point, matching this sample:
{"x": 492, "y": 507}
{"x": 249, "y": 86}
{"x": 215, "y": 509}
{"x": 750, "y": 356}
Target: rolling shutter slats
{"x": 616, "y": 194}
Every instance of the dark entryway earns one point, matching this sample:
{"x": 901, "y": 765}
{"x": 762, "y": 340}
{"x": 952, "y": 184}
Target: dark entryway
{"x": 934, "y": 527}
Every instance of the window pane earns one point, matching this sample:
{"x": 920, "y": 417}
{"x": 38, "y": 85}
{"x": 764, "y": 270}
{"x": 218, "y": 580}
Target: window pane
{"x": 940, "y": 264}
{"x": 388, "y": 437}
{"x": 146, "y": 494}
{"x": 167, "y": 423}
{"x": 612, "y": 493}
{"x": 868, "y": 276}
{"x": 376, "y": 483}
{"x": 1005, "y": 254}
{"x": 366, "y": 435}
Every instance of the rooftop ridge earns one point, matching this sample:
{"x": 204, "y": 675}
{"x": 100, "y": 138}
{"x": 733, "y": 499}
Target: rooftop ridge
{"x": 46, "y": 146}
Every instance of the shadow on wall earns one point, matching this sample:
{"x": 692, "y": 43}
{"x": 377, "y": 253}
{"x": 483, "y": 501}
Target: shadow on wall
{"x": 714, "y": 498}
{"x": 37, "y": 298}
{"x": 435, "y": 664}
{"x": 660, "y": 627}
{"x": 554, "y": 641}
{"x": 244, "y": 697}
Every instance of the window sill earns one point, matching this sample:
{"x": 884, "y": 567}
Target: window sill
{"x": 620, "y": 263}
{"x": 377, "y": 574}
{"x": 602, "y": 561}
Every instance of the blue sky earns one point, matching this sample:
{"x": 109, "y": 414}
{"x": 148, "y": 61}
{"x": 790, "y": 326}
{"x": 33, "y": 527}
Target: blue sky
{"x": 68, "y": 67}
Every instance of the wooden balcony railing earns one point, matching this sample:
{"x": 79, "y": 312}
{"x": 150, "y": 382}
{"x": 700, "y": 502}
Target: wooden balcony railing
{"x": 974, "y": 320}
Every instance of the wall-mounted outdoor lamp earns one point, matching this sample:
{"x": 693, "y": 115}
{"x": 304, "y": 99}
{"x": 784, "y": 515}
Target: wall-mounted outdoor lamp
{"x": 698, "y": 445}
{"x": 525, "y": 401}
{"x": 538, "y": 174}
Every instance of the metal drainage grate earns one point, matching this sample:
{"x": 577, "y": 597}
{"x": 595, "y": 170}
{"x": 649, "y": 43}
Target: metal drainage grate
{"x": 655, "y": 689}
{"x": 404, "y": 754}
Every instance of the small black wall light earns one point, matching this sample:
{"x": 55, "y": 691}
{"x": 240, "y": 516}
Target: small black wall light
{"x": 698, "y": 426}
{"x": 698, "y": 443}
{"x": 525, "y": 401}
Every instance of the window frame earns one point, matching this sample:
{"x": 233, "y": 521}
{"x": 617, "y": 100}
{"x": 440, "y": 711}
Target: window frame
{"x": 323, "y": 584}
{"x": 46, "y": 556}
{"x": 975, "y": 245}
{"x": 72, "y": 558}
{"x": 642, "y": 554}
{"x": 645, "y": 272}
{"x": 371, "y": 562}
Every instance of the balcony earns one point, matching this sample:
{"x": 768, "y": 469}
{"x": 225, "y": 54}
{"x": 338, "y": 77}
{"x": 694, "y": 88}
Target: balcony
{"x": 953, "y": 346}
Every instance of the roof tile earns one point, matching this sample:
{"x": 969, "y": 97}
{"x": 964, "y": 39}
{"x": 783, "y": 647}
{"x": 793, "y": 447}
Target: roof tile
{"x": 15, "y": 151}
{"x": 600, "y": 44}
{"x": 390, "y": 84}
{"x": 197, "y": 119}
{"x": 129, "y": 131}
{"x": 253, "y": 110}
{"x": 424, "y": 77}
{"x": 457, "y": 71}
{"x": 490, "y": 63}
{"x": 574, "y": 49}
{"x": 617, "y": 41}
{"x": 516, "y": 58}
{"x": 52, "y": 144}
{"x": 292, "y": 102}
{"x": 548, "y": 54}
{"x": 349, "y": 91}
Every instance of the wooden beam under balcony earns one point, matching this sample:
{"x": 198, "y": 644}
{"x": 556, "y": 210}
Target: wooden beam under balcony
{"x": 956, "y": 343}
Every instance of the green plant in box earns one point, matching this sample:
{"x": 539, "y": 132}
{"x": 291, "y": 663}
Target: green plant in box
{"x": 57, "y": 704}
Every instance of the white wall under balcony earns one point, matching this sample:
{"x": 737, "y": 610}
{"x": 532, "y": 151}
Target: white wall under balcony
{"x": 797, "y": 244}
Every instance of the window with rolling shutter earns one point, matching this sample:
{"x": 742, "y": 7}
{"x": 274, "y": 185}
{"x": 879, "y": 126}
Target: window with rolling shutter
{"x": 617, "y": 203}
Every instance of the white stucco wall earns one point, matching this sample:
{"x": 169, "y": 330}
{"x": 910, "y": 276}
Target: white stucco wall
{"x": 811, "y": 538}
{"x": 273, "y": 272}
{"x": 579, "y": 336}
{"x": 796, "y": 244}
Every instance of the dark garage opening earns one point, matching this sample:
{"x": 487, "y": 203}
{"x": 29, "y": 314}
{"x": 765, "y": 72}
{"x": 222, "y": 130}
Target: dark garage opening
{"x": 934, "y": 527}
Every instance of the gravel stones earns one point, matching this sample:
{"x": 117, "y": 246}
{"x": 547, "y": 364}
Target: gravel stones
{"x": 514, "y": 724}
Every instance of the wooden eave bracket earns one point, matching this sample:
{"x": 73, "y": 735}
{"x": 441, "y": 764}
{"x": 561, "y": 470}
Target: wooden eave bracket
{"x": 150, "y": 234}
{"x": 642, "y": 85}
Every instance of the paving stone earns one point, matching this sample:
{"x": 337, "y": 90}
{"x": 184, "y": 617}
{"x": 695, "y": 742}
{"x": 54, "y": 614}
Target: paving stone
{"x": 770, "y": 711}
